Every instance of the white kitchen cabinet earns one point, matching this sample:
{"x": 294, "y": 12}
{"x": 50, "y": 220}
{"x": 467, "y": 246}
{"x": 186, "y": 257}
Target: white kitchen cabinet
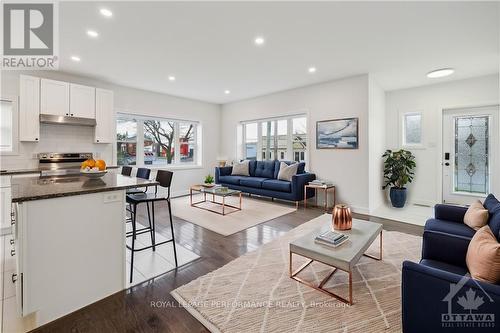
{"x": 29, "y": 108}
{"x": 68, "y": 260}
{"x": 5, "y": 202}
{"x": 54, "y": 97}
{"x": 105, "y": 116}
{"x": 82, "y": 102}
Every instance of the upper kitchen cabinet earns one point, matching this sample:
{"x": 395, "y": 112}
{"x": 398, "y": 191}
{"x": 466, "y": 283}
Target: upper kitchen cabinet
{"x": 54, "y": 97}
{"x": 82, "y": 101}
{"x": 29, "y": 108}
{"x": 105, "y": 116}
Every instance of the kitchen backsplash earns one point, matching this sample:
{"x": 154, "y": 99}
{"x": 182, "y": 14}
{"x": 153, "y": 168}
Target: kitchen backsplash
{"x": 57, "y": 138}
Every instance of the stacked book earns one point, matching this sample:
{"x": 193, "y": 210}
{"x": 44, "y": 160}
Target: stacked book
{"x": 320, "y": 182}
{"x": 331, "y": 238}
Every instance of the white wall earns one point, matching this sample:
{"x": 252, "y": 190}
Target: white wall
{"x": 431, "y": 100}
{"x": 62, "y": 138}
{"x": 336, "y": 99}
{"x": 377, "y": 146}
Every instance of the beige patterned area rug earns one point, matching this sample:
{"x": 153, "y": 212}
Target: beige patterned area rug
{"x": 253, "y": 212}
{"x": 255, "y": 294}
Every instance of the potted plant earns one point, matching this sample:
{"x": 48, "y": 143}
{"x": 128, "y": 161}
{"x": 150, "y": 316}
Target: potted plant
{"x": 209, "y": 180}
{"x": 398, "y": 171}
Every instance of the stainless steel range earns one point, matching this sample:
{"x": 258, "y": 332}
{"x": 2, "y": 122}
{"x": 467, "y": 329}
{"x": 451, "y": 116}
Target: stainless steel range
{"x": 61, "y": 164}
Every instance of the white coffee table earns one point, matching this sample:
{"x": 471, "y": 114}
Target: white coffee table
{"x": 344, "y": 257}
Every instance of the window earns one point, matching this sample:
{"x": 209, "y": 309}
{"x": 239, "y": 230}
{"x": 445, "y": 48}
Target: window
{"x": 251, "y": 141}
{"x": 164, "y": 141}
{"x": 126, "y": 141}
{"x": 282, "y": 139}
{"x": 412, "y": 129}
{"x": 299, "y": 138}
{"x": 6, "y": 126}
{"x": 159, "y": 145}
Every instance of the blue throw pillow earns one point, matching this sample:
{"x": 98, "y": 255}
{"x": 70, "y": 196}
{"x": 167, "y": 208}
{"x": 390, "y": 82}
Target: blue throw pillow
{"x": 494, "y": 224}
{"x": 491, "y": 204}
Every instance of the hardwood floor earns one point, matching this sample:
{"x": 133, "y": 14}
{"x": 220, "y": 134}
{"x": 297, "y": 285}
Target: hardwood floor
{"x": 132, "y": 310}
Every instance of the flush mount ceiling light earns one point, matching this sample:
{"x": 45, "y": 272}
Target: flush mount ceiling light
{"x": 259, "y": 41}
{"x": 75, "y": 58}
{"x": 92, "y": 33}
{"x": 227, "y": 92}
{"x": 106, "y": 12}
{"x": 171, "y": 78}
{"x": 440, "y": 73}
{"x": 311, "y": 69}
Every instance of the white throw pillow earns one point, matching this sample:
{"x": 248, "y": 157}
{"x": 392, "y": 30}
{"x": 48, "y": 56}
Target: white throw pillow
{"x": 241, "y": 168}
{"x": 287, "y": 171}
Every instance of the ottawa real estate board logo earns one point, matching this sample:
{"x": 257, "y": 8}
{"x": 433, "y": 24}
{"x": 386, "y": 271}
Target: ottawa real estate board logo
{"x": 466, "y": 307}
{"x": 30, "y": 33}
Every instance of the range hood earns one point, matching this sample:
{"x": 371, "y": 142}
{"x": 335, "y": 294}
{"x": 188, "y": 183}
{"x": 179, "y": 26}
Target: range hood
{"x": 66, "y": 120}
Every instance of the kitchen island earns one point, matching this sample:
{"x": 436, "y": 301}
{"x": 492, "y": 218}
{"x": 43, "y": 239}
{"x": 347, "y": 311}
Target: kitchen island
{"x": 69, "y": 241}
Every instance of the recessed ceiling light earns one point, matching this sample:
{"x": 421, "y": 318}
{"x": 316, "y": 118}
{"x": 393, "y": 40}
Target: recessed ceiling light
{"x": 92, "y": 33}
{"x": 171, "y": 78}
{"x": 440, "y": 73}
{"x": 259, "y": 40}
{"x": 311, "y": 69}
{"x": 75, "y": 58}
{"x": 106, "y": 12}
{"x": 227, "y": 92}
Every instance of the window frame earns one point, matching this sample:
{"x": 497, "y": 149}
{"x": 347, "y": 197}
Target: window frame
{"x": 289, "y": 156}
{"x": 403, "y": 117}
{"x": 176, "y": 162}
{"x": 15, "y": 126}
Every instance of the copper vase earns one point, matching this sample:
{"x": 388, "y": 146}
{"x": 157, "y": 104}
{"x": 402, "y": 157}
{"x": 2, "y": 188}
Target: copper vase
{"x": 341, "y": 217}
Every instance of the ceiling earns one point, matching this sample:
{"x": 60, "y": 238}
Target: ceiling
{"x": 209, "y": 47}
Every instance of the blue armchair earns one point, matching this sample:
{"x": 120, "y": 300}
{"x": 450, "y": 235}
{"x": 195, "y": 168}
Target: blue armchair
{"x": 263, "y": 181}
{"x": 438, "y": 293}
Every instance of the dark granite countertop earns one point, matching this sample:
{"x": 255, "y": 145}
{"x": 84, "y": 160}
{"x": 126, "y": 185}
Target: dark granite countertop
{"x": 35, "y": 170}
{"x": 19, "y": 172}
{"x": 38, "y": 188}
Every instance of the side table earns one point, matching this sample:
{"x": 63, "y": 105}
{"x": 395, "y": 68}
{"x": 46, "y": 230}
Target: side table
{"x": 325, "y": 189}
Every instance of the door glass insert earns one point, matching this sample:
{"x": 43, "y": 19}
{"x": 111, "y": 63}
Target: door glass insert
{"x": 471, "y": 154}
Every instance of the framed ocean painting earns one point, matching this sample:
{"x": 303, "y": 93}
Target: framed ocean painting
{"x": 337, "y": 134}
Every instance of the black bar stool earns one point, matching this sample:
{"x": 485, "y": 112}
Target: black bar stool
{"x": 164, "y": 178}
{"x": 126, "y": 170}
{"x": 143, "y": 173}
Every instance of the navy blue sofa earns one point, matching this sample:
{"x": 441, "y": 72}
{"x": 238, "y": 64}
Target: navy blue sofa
{"x": 263, "y": 180}
{"x": 434, "y": 290}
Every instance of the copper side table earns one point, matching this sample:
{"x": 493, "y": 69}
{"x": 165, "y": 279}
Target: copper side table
{"x": 325, "y": 189}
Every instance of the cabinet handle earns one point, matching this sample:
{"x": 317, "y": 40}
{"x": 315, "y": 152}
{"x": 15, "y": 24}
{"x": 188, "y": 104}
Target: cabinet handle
{"x": 14, "y": 277}
{"x": 67, "y": 114}
{"x": 97, "y": 140}
{"x": 71, "y": 115}
{"x": 11, "y": 242}
{"x": 12, "y": 222}
{"x": 36, "y": 139}
{"x": 12, "y": 252}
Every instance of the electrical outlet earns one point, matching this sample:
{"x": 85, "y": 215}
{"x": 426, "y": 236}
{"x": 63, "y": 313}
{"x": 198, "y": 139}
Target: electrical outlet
{"x": 112, "y": 197}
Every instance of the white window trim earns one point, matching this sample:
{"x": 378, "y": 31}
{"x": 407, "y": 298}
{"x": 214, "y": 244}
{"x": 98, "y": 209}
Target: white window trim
{"x": 176, "y": 163}
{"x": 15, "y": 126}
{"x": 402, "y": 130}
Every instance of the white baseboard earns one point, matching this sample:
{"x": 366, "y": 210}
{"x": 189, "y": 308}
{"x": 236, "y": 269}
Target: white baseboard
{"x": 360, "y": 210}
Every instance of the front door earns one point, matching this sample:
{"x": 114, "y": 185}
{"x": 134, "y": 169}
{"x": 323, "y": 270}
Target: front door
{"x": 470, "y": 144}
